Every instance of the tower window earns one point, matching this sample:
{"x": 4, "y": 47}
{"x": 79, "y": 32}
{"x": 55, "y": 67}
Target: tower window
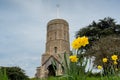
{"x": 55, "y": 49}
{"x": 50, "y": 38}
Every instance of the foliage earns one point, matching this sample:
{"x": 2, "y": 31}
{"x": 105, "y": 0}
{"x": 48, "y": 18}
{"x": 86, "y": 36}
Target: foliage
{"x": 105, "y": 48}
{"x": 98, "y": 30}
{"x": 15, "y": 73}
{"x": 110, "y": 66}
{"x": 3, "y": 75}
{"x": 104, "y": 39}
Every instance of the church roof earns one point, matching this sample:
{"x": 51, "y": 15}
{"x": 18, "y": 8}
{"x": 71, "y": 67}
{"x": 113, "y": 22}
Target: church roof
{"x": 54, "y": 57}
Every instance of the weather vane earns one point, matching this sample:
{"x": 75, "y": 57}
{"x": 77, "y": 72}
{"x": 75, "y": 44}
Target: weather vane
{"x": 58, "y": 6}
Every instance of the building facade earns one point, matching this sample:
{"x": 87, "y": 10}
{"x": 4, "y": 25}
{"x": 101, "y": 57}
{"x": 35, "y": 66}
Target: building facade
{"x": 57, "y": 44}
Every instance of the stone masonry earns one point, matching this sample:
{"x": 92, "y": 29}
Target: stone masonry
{"x": 56, "y": 45}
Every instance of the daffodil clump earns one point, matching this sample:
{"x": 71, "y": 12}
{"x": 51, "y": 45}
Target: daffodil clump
{"x": 109, "y": 62}
{"x": 77, "y": 44}
{"x": 114, "y": 58}
{"x": 104, "y": 60}
{"x": 76, "y": 68}
{"x": 80, "y": 42}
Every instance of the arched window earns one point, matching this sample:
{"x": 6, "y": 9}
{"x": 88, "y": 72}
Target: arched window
{"x": 55, "y": 49}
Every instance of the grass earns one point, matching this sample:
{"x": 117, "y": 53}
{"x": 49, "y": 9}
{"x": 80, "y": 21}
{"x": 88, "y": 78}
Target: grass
{"x": 87, "y": 78}
{"x": 3, "y": 76}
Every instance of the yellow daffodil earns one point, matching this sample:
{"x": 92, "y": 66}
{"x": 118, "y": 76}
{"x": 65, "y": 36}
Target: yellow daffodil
{"x": 114, "y": 57}
{"x": 84, "y": 41}
{"x": 104, "y": 60}
{"x": 73, "y": 58}
{"x": 99, "y": 67}
{"x": 75, "y": 44}
{"x": 79, "y": 42}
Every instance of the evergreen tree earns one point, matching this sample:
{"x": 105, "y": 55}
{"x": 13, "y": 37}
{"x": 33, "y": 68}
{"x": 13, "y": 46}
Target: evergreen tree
{"x": 15, "y": 73}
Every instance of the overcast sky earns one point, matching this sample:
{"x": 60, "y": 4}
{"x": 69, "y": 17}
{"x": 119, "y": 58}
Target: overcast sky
{"x": 23, "y": 26}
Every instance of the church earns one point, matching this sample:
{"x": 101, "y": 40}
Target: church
{"x": 57, "y": 44}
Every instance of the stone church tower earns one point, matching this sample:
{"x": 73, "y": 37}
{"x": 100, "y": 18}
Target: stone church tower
{"x": 56, "y": 45}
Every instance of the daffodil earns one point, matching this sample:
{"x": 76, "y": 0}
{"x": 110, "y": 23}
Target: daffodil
{"x": 73, "y": 58}
{"x": 79, "y": 42}
{"x": 99, "y": 67}
{"x": 114, "y": 57}
{"x": 104, "y": 60}
{"x": 84, "y": 41}
{"x": 76, "y": 44}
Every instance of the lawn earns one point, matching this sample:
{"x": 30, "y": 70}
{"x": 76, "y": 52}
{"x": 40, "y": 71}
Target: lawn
{"x": 78, "y": 78}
